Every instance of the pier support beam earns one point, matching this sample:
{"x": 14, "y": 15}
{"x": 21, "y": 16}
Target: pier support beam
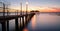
{"x": 20, "y": 22}
{"x": 26, "y": 19}
{"x": 16, "y": 24}
{"x": 20, "y": 25}
{"x": 3, "y": 26}
{"x": 23, "y": 20}
{"x": 7, "y": 25}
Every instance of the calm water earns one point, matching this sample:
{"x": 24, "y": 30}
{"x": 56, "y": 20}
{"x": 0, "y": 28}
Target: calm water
{"x": 43, "y": 21}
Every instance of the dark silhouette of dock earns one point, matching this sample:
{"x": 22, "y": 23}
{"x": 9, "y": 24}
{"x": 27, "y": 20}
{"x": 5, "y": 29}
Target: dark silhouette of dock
{"x": 4, "y": 19}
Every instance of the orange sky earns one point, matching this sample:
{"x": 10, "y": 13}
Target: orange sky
{"x": 41, "y": 5}
{"x": 41, "y": 9}
{"x": 47, "y": 9}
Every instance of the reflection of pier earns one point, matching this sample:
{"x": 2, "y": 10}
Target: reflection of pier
{"x": 4, "y": 19}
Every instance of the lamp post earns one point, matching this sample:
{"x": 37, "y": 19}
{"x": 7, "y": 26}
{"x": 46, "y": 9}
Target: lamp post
{"x": 3, "y": 23}
{"x": 26, "y": 6}
{"x": 3, "y": 8}
{"x": 21, "y": 8}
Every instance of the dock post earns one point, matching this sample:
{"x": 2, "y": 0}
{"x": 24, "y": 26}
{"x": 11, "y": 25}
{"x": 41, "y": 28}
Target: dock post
{"x": 3, "y": 23}
{"x": 16, "y": 24}
{"x": 7, "y": 21}
{"x": 7, "y": 25}
{"x": 23, "y": 20}
{"x": 20, "y": 23}
{"x": 26, "y": 18}
{"x": 3, "y": 26}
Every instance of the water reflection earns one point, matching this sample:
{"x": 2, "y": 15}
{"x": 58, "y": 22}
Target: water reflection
{"x": 24, "y": 19}
{"x": 21, "y": 22}
{"x": 25, "y": 29}
{"x": 33, "y": 22}
{"x": 12, "y": 25}
{"x": 44, "y": 22}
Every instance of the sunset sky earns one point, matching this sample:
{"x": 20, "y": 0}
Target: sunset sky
{"x": 41, "y": 5}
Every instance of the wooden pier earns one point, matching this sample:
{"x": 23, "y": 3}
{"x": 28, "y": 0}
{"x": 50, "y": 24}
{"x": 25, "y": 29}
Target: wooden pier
{"x": 4, "y": 19}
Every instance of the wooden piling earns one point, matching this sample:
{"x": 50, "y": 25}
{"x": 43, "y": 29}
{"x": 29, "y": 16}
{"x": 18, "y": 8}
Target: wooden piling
{"x": 7, "y": 21}
{"x": 20, "y": 21}
{"x": 7, "y": 25}
{"x": 16, "y": 24}
{"x": 20, "y": 25}
{"x": 26, "y": 19}
{"x": 3, "y": 26}
{"x": 23, "y": 20}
